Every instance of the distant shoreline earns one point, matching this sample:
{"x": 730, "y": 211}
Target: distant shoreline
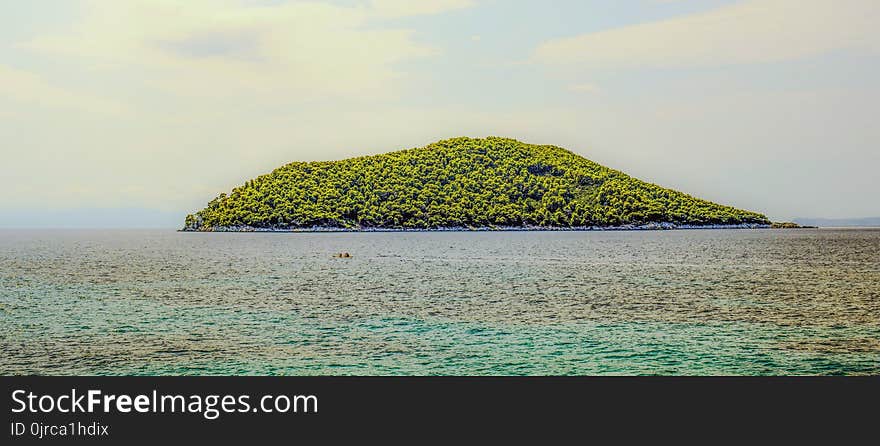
{"x": 644, "y": 227}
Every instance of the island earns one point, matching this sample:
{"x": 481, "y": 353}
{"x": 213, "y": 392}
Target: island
{"x": 462, "y": 183}
{"x": 789, "y": 225}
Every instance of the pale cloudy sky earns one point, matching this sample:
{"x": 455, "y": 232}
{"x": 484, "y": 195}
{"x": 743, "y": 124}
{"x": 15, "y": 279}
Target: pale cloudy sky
{"x": 136, "y": 112}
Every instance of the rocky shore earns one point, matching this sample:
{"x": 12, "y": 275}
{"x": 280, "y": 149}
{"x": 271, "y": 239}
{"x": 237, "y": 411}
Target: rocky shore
{"x": 643, "y": 227}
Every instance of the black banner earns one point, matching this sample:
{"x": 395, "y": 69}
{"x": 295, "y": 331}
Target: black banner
{"x": 230, "y": 409}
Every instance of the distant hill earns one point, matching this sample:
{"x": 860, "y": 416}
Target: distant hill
{"x": 839, "y": 222}
{"x": 462, "y": 183}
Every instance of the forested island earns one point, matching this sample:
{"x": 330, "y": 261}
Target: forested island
{"x": 459, "y": 184}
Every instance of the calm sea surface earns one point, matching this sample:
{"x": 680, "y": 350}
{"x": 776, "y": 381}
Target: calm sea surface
{"x": 743, "y": 302}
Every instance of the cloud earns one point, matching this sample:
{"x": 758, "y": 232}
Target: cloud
{"x": 235, "y": 45}
{"x": 751, "y": 31}
{"x": 583, "y": 88}
{"x": 403, "y": 8}
{"x": 289, "y": 51}
{"x": 30, "y": 89}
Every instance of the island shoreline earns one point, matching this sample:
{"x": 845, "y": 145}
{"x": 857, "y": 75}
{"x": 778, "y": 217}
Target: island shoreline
{"x": 331, "y": 229}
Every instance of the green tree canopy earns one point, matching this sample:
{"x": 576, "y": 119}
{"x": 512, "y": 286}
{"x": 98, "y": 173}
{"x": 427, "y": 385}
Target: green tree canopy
{"x": 459, "y": 182}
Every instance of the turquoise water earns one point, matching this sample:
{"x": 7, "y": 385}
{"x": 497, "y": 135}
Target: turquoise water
{"x": 731, "y": 302}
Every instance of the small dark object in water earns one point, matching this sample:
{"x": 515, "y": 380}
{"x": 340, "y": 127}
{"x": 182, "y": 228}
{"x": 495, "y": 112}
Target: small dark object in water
{"x": 342, "y": 255}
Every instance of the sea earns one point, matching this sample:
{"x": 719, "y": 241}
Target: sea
{"x": 660, "y": 302}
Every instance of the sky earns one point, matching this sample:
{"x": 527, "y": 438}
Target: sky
{"x": 134, "y": 113}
